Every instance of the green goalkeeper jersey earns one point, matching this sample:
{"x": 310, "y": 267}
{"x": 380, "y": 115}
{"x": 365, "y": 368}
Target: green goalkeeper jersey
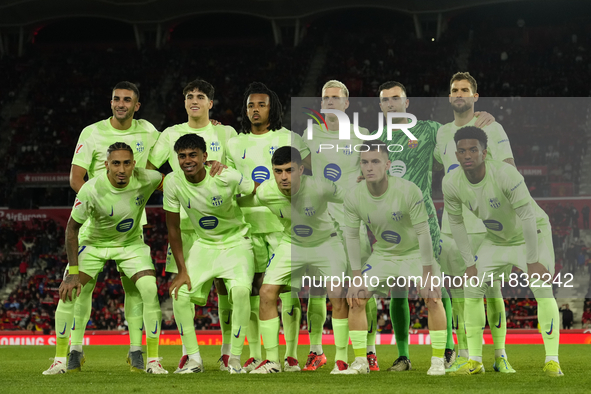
{"x": 210, "y": 205}
{"x": 251, "y": 155}
{"x": 114, "y": 214}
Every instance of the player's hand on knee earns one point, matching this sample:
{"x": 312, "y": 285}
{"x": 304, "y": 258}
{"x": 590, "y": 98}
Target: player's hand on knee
{"x": 471, "y": 272}
{"x": 357, "y": 295}
{"x": 538, "y": 269}
{"x": 216, "y": 167}
{"x": 181, "y": 279}
{"x": 483, "y": 119}
{"x": 70, "y": 286}
{"x": 430, "y": 293}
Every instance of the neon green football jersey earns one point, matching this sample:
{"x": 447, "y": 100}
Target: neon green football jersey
{"x": 251, "y": 155}
{"x": 390, "y": 217}
{"x": 210, "y": 205}
{"x": 493, "y": 200}
{"x": 498, "y": 148}
{"x": 114, "y": 214}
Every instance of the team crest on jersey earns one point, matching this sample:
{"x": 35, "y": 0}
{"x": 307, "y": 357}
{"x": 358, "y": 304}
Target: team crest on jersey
{"x": 348, "y": 150}
{"x": 494, "y": 202}
{"x": 309, "y": 211}
{"x": 139, "y": 146}
{"x": 397, "y": 216}
{"x": 139, "y": 200}
{"x": 272, "y": 149}
{"x": 217, "y": 201}
{"x": 215, "y": 146}
{"x": 413, "y": 144}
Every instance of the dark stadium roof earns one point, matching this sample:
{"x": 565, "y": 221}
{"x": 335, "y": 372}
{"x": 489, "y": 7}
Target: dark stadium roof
{"x": 29, "y": 12}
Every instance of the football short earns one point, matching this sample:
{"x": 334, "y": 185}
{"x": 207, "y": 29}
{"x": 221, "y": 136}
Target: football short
{"x": 450, "y": 259}
{"x": 385, "y": 271}
{"x": 234, "y": 265}
{"x": 129, "y": 259}
{"x": 189, "y": 237}
{"x": 263, "y": 245}
{"x": 295, "y": 266}
{"x": 499, "y": 260}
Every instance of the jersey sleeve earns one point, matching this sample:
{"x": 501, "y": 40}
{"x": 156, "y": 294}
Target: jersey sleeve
{"x": 298, "y": 142}
{"x": 84, "y": 149}
{"x": 437, "y": 151}
{"x": 418, "y": 212}
{"x": 351, "y": 217}
{"x": 235, "y": 179}
{"x": 82, "y": 208}
{"x": 514, "y": 186}
{"x": 170, "y": 202}
{"x": 156, "y": 179}
{"x": 161, "y": 151}
{"x": 453, "y": 204}
{"x": 230, "y": 156}
{"x": 498, "y": 143}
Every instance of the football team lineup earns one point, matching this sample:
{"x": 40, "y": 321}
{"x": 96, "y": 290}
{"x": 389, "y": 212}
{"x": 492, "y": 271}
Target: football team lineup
{"x": 263, "y": 226}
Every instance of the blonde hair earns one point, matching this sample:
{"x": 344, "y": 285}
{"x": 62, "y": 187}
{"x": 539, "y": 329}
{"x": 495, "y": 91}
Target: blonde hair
{"x": 333, "y": 83}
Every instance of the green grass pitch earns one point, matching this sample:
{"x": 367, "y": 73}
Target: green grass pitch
{"x": 106, "y": 371}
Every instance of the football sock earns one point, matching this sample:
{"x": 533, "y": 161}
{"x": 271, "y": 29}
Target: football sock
{"x": 458, "y": 316}
{"x": 371, "y": 309}
{"x": 254, "y": 334}
{"x": 270, "y": 331}
{"x": 549, "y": 319}
{"x": 316, "y": 319}
{"x": 196, "y": 357}
{"x": 438, "y": 340}
{"x": 82, "y": 310}
{"x": 475, "y": 321}
{"x": 240, "y": 299}
{"x": 184, "y": 311}
{"x": 225, "y": 314}
{"x": 359, "y": 342}
{"x": 400, "y": 315}
{"x": 148, "y": 290}
{"x": 134, "y": 311}
{"x": 291, "y": 314}
{"x": 448, "y": 315}
{"x": 64, "y": 317}
{"x": 341, "y": 338}
{"x": 497, "y": 321}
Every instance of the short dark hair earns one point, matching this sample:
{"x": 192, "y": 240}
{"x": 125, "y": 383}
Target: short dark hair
{"x": 128, "y": 86}
{"x": 461, "y": 76}
{"x": 375, "y": 146}
{"x": 190, "y": 141}
{"x": 286, "y": 154}
{"x": 202, "y": 86}
{"x": 471, "y": 133}
{"x": 390, "y": 85}
{"x": 119, "y": 146}
{"x": 275, "y": 108}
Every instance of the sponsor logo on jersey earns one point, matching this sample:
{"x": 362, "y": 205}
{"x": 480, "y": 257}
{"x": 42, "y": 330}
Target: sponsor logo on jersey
{"x": 516, "y": 186}
{"x": 260, "y": 174}
{"x": 208, "y": 222}
{"x": 272, "y": 149}
{"x": 139, "y": 200}
{"x": 302, "y": 231}
{"x": 348, "y": 150}
{"x": 397, "y": 216}
{"x": 368, "y": 219}
{"x": 77, "y": 203}
{"x": 470, "y": 205}
{"x": 217, "y": 201}
{"x": 391, "y": 237}
{"x": 397, "y": 168}
{"x": 413, "y": 144}
{"x": 494, "y": 202}
{"x": 139, "y": 146}
{"x": 189, "y": 203}
{"x": 269, "y": 263}
{"x": 280, "y": 215}
{"x": 452, "y": 167}
{"x": 367, "y": 268}
{"x": 125, "y": 225}
{"x": 309, "y": 211}
{"x": 81, "y": 249}
{"x": 501, "y": 141}
{"x": 215, "y": 146}
{"x": 440, "y": 246}
{"x": 244, "y": 155}
{"x": 111, "y": 211}
{"x": 332, "y": 172}
{"x": 493, "y": 225}
{"x": 78, "y": 148}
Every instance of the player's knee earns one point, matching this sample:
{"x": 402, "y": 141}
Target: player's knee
{"x": 268, "y": 293}
{"x": 239, "y": 293}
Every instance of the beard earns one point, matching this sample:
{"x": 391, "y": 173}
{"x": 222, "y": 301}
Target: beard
{"x": 465, "y": 107}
